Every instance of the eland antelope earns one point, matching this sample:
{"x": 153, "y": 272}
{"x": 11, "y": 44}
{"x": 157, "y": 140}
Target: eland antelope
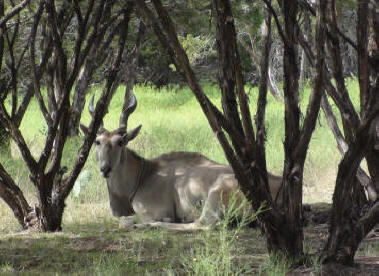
{"x": 167, "y": 190}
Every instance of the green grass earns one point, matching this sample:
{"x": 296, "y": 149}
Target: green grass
{"x": 172, "y": 120}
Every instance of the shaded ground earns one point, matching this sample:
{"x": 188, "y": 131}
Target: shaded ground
{"x": 104, "y": 248}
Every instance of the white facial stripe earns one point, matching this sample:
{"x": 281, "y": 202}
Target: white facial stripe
{"x": 115, "y": 139}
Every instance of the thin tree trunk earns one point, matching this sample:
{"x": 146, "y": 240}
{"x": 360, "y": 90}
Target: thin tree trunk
{"x": 273, "y": 87}
{"x": 362, "y": 177}
{"x": 95, "y": 59}
{"x": 304, "y": 66}
{"x": 293, "y": 169}
{"x": 79, "y": 98}
{"x": 226, "y": 56}
{"x": 132, "y": 65}
{"x": 4, "y": 136}
{"x": 262, "y": 97}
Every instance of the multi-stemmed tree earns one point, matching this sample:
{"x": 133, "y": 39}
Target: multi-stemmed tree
{"x": 245, "y": 149}
{"x": 96, "y": 21}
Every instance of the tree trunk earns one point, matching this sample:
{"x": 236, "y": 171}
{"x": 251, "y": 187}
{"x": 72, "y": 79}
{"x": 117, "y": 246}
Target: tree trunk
{"x": 346, "y": 18}
{"x": 95, "y": 59}
{"x": 274, "y": 89}
{"x": 226, "y": 57}
{"x": 293, "y": 168}
{"x": 363, "y": 179}
{"x": 5, "y": 142}
{"x": 79, "y": 98}
{"x": 132, "y": 65}
{"x": 304, "y": 66}
{"x": 15, "y": 199}
{"x": 372, "y": 156}
{"x": 348, "y": 225}
{"x": 4, "y": 136}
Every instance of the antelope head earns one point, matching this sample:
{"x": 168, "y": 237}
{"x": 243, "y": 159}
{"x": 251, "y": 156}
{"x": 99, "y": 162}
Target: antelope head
{"x": 110, "y": 144}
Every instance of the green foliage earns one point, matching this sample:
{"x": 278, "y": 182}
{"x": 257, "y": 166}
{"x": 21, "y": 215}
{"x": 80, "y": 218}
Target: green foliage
{"x": 248, "y": 15}
{"x": 198, "y": 48}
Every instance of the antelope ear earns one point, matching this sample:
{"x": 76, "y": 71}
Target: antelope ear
{"x": 130, "y": 135}
{"x": 84, "y": 129}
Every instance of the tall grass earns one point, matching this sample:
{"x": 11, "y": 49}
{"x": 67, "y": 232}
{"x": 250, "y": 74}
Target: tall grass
{"x": 217, "y": 253}
{"x": 172, "y": 120}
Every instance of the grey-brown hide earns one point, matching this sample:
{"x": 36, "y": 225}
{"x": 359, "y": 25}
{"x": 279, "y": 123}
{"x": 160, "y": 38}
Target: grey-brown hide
{"x": 170, "y": 187}
{"x": 168, "y": 190}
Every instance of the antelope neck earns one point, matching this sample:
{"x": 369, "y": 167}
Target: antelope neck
{"x": 140, "y": 167}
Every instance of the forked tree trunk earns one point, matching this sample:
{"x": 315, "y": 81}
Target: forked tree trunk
{"x": 348, "y": 225}
{"x": 362, "y": 178}
{"x": 53, "y": 189}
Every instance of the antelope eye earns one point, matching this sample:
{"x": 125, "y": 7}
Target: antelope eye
{"x": 97, "y": 142}
{"x": 120, "y": 143}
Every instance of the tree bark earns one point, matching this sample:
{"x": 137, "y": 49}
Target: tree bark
{"x": 364, "y": 180}
{"x": 262, "y": 97}
{"x": 5, "y": 141}
{"x": 226, "y": 57}
{"x": 372, "y": 156}
{"x": 13, "y": 196}
{"x": 348, "y": 226}
{"x": 4, "y": 136}
{"x": 350, "y": 223}
{"x": 304, "y": 66}
{"x": 293, "y": 168}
